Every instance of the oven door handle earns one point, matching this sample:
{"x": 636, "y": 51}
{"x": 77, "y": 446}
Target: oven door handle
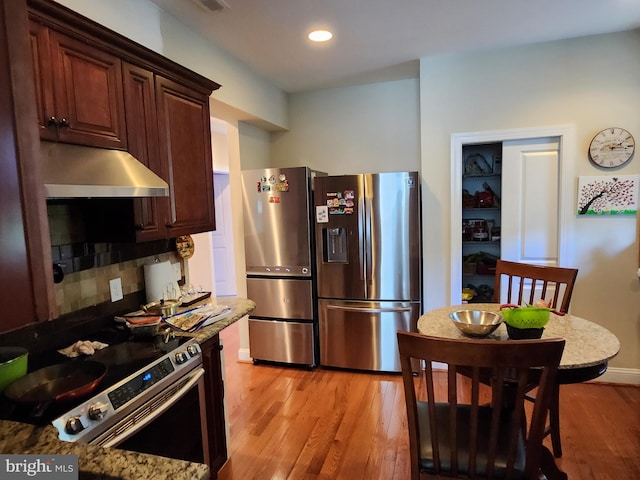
{"x": 195, "y": 377}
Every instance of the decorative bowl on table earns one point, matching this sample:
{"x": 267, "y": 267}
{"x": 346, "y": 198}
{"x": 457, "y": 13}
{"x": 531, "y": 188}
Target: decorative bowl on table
{"x": 525, "y": 323}
{"x": 476, "y": 323}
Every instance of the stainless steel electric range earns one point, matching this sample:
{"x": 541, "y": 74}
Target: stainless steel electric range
{"x": 151, "y": 400}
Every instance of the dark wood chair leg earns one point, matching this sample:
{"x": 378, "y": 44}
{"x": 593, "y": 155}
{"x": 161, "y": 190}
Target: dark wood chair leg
{"x": 554, "y": 422}
{"x": 549, "y": 468}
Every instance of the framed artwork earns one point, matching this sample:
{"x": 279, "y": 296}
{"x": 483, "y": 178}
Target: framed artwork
{"x": 608, "y": 195}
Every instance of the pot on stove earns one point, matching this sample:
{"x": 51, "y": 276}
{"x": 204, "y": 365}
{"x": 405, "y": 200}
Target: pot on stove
{"x": 13, "y": 364}
{"x": 162, "y": 307}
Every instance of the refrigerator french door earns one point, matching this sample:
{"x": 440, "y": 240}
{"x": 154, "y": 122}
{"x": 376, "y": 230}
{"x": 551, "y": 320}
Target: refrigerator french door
{"x": 368, "y": 232}
{"x": 280, "y": 265}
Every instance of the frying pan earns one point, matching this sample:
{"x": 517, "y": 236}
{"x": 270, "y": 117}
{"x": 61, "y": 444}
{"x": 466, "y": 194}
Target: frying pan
{"x": 64, "y": 381}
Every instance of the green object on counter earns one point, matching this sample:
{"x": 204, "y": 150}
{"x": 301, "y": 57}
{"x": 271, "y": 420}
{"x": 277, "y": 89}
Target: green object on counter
{"x": 13, "y": 364}
{"x": 526, "y": 317}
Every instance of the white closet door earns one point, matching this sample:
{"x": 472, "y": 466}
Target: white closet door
{"x": 530, "y": 207}
{"x": 222, "y": 239}
{"x": 530, "y": 192}
{"x": 530, "y": 189}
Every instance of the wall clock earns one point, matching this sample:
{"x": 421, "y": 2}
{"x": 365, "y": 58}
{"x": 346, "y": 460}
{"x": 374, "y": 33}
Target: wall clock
{"x": 612, "y": 147}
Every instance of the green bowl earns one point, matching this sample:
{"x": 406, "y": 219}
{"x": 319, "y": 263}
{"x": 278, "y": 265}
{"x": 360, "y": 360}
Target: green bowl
{"x": 13, "y": 364}
{"x": 526, "y": 317}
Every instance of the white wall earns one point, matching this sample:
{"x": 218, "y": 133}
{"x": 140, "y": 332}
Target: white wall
{"x": 245, "y": 92}
{"x": 255, "y": 147}
{"x": 591, "y": 83}
{"x": 369, "y": 128}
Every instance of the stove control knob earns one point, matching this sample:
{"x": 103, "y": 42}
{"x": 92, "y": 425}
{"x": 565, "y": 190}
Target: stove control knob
{"x": 192, "y": 350}
{"x": 182, "y": 357}
{"x": 73, "y": 426}
{"x": 97, "y": 411}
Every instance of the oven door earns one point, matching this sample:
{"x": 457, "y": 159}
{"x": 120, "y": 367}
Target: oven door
{"x": 172, "y": 424}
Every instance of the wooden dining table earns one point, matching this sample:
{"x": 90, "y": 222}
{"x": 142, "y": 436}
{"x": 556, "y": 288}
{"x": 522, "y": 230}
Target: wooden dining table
{"x": 588, "y": 346}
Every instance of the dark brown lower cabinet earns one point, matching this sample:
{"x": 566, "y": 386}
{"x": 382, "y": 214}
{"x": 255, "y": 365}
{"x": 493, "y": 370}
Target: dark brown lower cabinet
{"x": 214, "y": 392}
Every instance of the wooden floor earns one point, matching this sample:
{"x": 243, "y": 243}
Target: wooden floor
{"x": 289, "y": 423}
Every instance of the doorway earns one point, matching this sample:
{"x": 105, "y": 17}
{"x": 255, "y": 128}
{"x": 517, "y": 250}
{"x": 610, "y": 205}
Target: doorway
{"x": 565, "y": 137}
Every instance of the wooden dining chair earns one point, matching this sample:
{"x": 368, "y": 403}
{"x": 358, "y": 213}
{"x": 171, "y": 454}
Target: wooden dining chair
{"x": 527, "y": 283}
{"x": 454, "y": 431}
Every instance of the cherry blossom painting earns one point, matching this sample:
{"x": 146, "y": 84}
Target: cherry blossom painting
{"x": 608, "y": 195}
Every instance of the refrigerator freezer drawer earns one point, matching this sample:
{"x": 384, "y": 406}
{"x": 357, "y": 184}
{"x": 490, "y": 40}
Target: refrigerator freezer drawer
{"x": 281, "y": 298}
{"x": 278, "y": 341}
{"x": 362, "y": 335}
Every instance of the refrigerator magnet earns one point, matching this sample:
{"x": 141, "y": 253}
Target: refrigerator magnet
{"x": 274, "y": 199}
{"x": 322, "y": 214}
{"x": 349, "y": 194}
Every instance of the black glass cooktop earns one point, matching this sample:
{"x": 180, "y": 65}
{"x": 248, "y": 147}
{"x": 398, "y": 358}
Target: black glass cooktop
{"x": 124, "y": 356}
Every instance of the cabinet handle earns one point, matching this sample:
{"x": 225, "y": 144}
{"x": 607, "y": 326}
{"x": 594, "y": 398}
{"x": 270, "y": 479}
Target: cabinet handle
{"x": 52, "y": 122}
{"x": 139, "y": 226}
{"x": 169, "y": 225}
{"x": 64, "y": 122}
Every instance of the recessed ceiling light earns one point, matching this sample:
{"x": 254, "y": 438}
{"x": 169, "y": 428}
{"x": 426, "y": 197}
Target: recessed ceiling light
{"x": 320, "y": 36}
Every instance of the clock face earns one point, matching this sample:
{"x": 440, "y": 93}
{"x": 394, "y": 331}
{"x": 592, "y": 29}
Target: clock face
{"x": 611, "y": 148}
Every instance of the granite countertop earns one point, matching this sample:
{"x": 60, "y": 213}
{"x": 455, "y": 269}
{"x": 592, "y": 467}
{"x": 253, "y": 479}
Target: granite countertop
{"x": 96, "y": 462}
{"x": 587, "y": 343}
{"x": 239, "y": 306}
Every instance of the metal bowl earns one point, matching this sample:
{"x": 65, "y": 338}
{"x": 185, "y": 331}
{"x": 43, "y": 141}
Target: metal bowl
{"x": 476, "y": 323}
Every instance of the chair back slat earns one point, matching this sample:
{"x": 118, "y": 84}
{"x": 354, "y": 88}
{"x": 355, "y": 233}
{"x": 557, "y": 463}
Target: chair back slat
{"x": 534, "y": 282}
{"x": 465, "y": 436}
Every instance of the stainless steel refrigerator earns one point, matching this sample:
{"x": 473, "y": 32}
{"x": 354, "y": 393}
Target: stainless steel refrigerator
{"x": 368, "y": 232}
{"x": 280, "y": 264}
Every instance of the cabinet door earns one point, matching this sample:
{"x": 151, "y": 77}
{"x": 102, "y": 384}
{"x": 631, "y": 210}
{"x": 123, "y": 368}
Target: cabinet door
{"x": 43, "y": 79}
{"x": 214, "y": 393}
{"x": 185, "y": 143}
{"x": 89, "y": 103}
{"x": 142, "y": 135}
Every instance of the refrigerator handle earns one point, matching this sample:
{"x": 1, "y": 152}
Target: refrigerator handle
{"x": 362, "y": 235}
{"x": 368, "y": 310}
{"x": 368, "y": 262}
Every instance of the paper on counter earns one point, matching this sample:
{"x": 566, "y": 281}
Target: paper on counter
{"x": 194, "y": 319}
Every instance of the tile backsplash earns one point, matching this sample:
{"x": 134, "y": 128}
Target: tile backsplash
{"x": 88, "y": 265}
{"x": 90, "y": 287}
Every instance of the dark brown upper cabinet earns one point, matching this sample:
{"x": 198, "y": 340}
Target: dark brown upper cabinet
{"x": 168, "y": 126}
{"x": 142, "y": 131}
{"x": 185, "y": 147}
{"x": 78, "y": 90}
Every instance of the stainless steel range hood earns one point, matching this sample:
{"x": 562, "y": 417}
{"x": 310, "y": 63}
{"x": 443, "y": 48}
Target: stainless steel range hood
{"x": 72, "y": 171}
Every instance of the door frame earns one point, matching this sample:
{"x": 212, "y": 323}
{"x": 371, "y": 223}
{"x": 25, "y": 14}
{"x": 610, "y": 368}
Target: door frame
{"x": 567, "y": 137}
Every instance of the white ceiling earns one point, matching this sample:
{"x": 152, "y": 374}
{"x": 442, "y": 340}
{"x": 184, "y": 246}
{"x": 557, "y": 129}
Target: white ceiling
{"x": 377, "y": 40}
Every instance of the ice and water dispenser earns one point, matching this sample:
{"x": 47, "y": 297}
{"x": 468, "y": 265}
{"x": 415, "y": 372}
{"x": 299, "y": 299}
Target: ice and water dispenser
{"x": 334, "y": 245}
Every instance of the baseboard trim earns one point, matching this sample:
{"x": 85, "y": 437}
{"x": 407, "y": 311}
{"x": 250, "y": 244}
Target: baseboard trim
{"x": 243, "y": 355}
{"x": 623, "y": 376}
